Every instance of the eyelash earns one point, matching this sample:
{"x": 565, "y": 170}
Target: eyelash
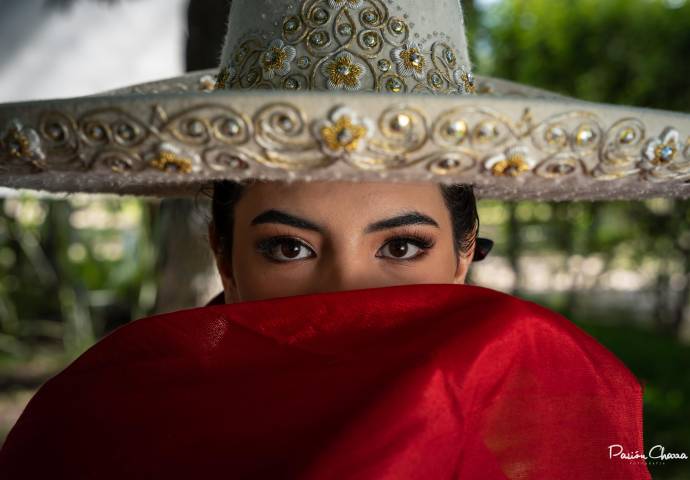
{"x": 416, "y": 238}
{"x": 266, "y": 246}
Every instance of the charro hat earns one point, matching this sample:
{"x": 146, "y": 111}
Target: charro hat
{"x": 344, "y": 90}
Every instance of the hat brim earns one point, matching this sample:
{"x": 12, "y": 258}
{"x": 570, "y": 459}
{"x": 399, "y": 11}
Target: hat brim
{"x": 510, "y": 141}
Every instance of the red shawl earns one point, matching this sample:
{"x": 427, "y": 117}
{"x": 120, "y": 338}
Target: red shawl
{"x": 405, "y": 382}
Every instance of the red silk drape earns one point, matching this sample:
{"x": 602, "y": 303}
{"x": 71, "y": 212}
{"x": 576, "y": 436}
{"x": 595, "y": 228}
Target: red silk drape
{"x": 407, "y": 382}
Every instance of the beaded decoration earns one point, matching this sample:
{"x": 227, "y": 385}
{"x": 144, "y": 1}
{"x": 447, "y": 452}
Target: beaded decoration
{"x": 345, "y": 44}
{"x": 24, "y": 144}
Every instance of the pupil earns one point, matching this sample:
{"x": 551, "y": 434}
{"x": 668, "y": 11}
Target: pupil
{"x": 399, "y": 248}
{"x": 290, "y": 249}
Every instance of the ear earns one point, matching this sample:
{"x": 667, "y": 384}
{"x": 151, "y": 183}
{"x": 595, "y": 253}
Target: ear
{"x": 224, "y": 266}
{"x": 463, "y": 266}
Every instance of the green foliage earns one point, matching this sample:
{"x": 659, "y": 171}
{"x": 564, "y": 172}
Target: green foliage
{"x": 616, "y": 51}
{"x": 660, "y": 364}
{"x": 71, "y": 270}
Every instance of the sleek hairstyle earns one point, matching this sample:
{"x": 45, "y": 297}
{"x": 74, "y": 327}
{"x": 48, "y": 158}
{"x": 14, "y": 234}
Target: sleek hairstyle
{"x": 459, "y": 198}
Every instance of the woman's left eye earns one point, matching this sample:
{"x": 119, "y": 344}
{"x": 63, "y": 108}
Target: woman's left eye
{"x": 404, "y": 248}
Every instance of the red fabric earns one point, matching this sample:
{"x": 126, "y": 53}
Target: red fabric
{"x": 405, "y": 382}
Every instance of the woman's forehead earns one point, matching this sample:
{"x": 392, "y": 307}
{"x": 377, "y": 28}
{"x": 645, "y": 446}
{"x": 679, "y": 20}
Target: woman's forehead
{"x": 362, "y": 201}
{"x": 353, "y": 190}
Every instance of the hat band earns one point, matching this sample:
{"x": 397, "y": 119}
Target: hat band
{"x": 564, "y": 154}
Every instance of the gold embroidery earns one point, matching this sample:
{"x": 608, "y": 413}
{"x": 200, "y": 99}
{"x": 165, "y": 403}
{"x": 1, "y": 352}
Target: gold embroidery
{"x": 664, "y": 153}
{"x": 325, "y": 31}
{"x": 22, "y": 143}
{"x": 344, "y": 72}
{"x": 274, "y": 58}
{"x": 412, "y": 60}
{"x": 343, "y": 134}
{"x": 17, "y": 144}
{"x": 223, "y": 78}
{"x": 165, "y": 160}
{"x": 353, "y": 4}
{"x": 466, "y": 79}
{"x": 268, "y": 136}
{"x": 513, "y": 166}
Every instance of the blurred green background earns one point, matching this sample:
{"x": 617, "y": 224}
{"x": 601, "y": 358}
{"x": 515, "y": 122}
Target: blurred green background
{"x": 72, "y": 270}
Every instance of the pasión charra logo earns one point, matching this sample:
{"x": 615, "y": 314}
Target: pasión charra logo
{"x": 656, "y": 453}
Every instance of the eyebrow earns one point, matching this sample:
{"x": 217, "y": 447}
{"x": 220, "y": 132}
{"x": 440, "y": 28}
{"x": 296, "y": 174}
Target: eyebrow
{"x": 406, "y": 218}
{"x": 277, "y": 216}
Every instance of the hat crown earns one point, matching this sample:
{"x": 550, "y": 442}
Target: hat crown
{"x": 389, "y": 46}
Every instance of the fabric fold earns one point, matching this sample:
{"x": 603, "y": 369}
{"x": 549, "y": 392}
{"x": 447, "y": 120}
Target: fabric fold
{"x": 416, "y": 381}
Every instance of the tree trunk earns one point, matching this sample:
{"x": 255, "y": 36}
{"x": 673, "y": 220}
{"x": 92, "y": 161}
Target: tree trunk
{"x": 187, "y": 275}
{"x": 661, "y": 298}
{"x": 514, "y": 246}
{"x": 683, "y": 304}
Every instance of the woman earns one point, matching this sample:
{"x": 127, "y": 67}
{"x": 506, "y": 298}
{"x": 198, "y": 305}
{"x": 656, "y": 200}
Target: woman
{"x": 345, "y": 344}
{"x": 275, "y": 239}
{"x": 399, "y": 372}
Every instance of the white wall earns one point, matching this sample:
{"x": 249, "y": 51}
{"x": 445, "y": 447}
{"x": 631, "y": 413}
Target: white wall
{"x": 91, "y": 47}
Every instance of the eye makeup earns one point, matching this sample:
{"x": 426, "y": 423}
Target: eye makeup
{"x": 416, "y": 237}
{"x": 268, "y": 245}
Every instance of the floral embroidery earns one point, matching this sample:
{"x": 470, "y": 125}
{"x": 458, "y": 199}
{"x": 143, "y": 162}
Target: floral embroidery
{"x": 511, "y": 163}
{"x": 465, "y": 80}
{"x": 343, "y": 73}
{"x": 427, "y": 137}
{"x": 276, "y": 59}
{"x": 409, "y": 60}
{"x": 344, "y": 132}
{"x": 22, "y": 143}
{"x": 169, "y": 157}
{"x": 353, "y": 4}
{"x": 226, "y": 75}
{"x": 662, "y": 157}
{"x": 207, "y": 83}
{"x": 382, "y": 43}
{"x": 663, "y": 150}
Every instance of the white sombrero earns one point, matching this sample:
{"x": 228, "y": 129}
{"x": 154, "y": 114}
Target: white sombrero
{"x": 350, "y": 90}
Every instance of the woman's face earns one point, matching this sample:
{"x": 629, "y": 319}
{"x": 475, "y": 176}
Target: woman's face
{"x": 309, "y": 237}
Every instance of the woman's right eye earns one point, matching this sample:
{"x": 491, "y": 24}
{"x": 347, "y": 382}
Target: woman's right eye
{"x": 285, "y": 249}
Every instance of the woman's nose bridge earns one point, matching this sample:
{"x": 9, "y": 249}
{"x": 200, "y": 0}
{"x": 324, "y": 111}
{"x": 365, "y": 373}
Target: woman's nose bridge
{"x": 347, "y": 268}
{"x": 347, "y": 279}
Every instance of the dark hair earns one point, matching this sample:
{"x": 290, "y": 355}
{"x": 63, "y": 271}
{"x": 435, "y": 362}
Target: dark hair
{"x": 459, "y": 198}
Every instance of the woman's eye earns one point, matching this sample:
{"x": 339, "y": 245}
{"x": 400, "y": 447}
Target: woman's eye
{"x": 285, "y": 249}
{"x": 404, "y": 249}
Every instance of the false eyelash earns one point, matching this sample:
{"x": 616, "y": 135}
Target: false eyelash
{"x": 267, "y": 245}
{"x": 415, "y": 237}
{"x": 420, "y": 240}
